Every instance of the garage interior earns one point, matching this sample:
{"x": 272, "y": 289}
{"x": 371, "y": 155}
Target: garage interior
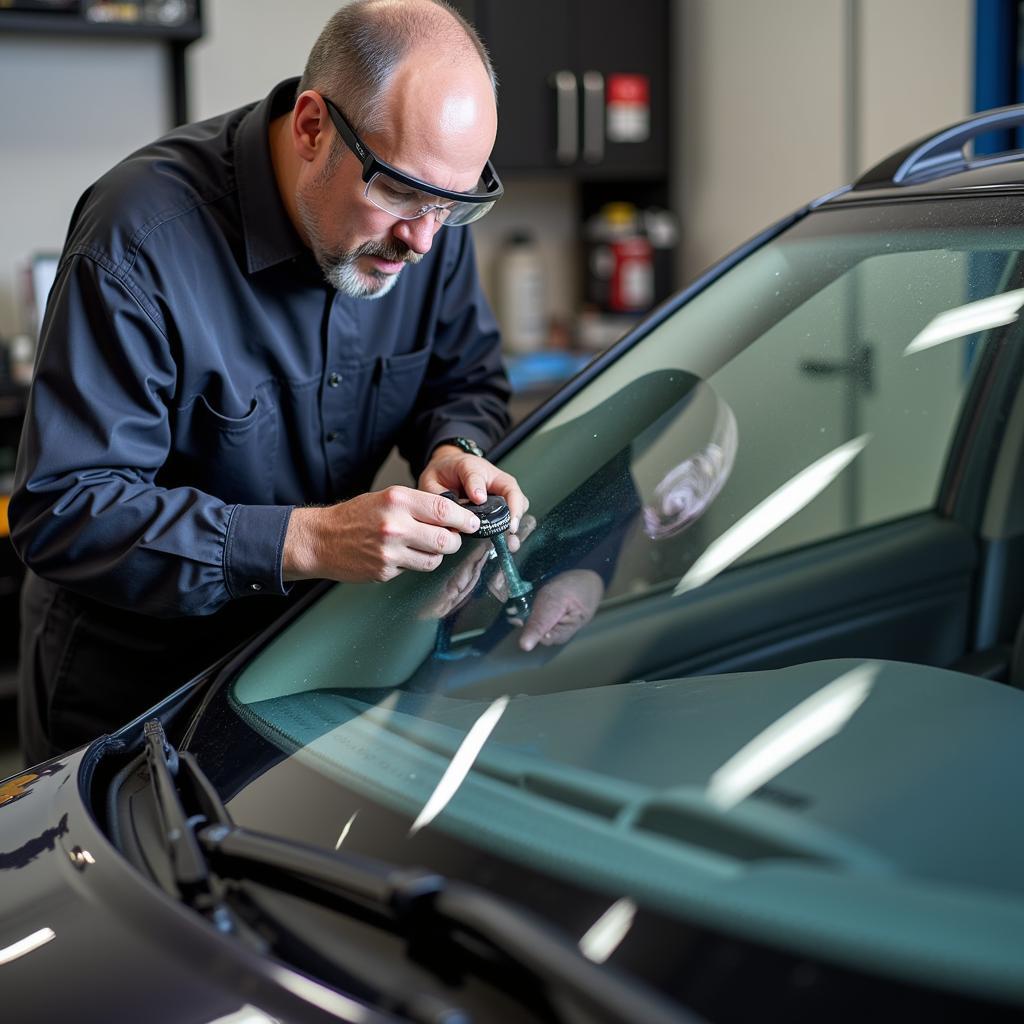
{"x": 737, "y": 113}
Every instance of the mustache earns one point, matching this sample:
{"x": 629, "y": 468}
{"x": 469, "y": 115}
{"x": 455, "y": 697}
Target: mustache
{"x": 394, "y": 252}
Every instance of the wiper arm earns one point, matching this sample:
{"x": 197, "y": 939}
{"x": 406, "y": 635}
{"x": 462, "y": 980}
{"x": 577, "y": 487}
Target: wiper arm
{"x": 207, "y": 846}
{"x": 414, "y": 900}
{"x": 189, "y": 866}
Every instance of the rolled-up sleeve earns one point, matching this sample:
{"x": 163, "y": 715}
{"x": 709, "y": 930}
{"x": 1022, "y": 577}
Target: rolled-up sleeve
{"x": 466, "y": 391}
{"x": 87, "y": 511}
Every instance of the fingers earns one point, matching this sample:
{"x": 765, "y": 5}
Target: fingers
{"x": 475, "y": 486}
{"x": 545, "y": 618}
{"x": 436, "y": 510}
{"x": 476, "y": 478}
{"x": 562, "y": 607}
{"x": 506, "y": 485}
{"x": 526, "y": 526}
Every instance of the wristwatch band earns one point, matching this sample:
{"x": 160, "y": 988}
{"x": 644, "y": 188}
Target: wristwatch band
{"x": 467, "y": 445}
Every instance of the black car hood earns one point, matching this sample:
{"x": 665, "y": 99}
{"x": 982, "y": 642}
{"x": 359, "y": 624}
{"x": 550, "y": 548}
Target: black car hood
{"x": 84, "y": 937}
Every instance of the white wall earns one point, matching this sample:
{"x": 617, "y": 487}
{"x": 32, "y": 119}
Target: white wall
{"x": 69, "y": 109}
{"x": 760, "y": 109}
{"x": 916, "y": 71}
{"x": 248, "y": 47}
{"x": 763, "y": 101}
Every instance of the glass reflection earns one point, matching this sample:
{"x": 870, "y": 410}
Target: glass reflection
{"x": 26, "y": 945}
{"x": 791, "y": 737}
{"x": 460, "y": 764}
{"x": 605, "y": 935}
{"x": 345, "y": 831}
{"x": 770, "y": 514}
{"x": 686, "y": 491}
{"x": 983, "y": 315}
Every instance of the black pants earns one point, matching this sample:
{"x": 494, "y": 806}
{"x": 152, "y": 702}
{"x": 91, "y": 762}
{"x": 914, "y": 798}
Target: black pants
{"x": 87, "y": 668}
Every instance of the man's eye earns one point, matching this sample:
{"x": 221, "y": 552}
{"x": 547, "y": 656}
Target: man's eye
{"x": 398, "y": 193}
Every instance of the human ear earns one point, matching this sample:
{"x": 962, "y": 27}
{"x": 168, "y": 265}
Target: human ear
{"x": 309, "y": 121}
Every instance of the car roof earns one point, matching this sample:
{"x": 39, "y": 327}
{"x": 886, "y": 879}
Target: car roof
{"x": 938, "y": 164}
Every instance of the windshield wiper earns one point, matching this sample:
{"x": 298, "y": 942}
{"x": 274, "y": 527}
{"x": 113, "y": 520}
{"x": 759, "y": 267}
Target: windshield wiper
{"x": 415, "y": 901}
{"x": 207, "y": 847}
{"x": 170, "y": 771}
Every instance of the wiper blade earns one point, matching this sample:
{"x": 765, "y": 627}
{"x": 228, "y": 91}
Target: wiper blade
{"x": 189, "y": 867}
{"x": 415, "y": 900}
{"x": 206, "y": 847}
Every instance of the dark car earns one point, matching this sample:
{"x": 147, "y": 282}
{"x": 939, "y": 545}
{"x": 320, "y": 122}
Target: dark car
{"x": 734, "y": 734}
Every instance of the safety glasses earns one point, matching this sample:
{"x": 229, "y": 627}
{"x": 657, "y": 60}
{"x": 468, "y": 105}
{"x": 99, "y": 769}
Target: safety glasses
{"x": 406, "y": 197}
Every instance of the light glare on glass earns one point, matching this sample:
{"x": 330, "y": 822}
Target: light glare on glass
{"x": 461, "y": 763}
{"x": 983, "y": 315}
{"x": 604, "y": 936}
{"x": 26, "y": 945}
{"x": 791, "y": 737}
{"x": 345, "y": 830}
{"x": 246, "y": 1015}
{"x": 770, "y": 514}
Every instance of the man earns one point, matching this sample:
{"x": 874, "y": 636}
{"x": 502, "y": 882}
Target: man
{"x": 207, "y": 414}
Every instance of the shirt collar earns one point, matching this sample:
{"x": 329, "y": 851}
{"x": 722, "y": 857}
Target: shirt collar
{"x": 270, "y": 237}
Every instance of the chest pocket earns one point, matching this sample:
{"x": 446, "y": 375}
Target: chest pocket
{"x": 400, "y": 380}
{"x": 231, "y": 457}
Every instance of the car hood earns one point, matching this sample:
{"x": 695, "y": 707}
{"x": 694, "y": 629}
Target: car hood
{"x": 84, "y": 937}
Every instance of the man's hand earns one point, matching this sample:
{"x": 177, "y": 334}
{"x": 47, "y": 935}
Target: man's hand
{"x": 451, "y": 469}
{"x": 374, "y": 537}
{"x": 563, "y": 606}
{"x": 458, "y": 587}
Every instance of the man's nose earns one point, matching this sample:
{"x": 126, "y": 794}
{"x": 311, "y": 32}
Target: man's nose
{"x": 418, "y": 234}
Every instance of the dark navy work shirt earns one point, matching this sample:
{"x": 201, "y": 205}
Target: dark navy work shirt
{"x": 197, "y": 378}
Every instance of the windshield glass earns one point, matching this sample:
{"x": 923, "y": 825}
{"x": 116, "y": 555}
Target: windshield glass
{"x": 618, "y": 726}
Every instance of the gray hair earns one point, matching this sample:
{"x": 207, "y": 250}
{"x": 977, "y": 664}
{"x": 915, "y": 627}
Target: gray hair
{"x": 357, "y": 53}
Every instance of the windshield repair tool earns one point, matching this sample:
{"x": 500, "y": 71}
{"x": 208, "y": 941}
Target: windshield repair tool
{"x": 495, "y": 519}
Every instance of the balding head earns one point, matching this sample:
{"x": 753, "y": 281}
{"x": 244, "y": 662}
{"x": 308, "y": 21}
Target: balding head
{"x": 414, "y": 81}
{"x": 356, "y": 57}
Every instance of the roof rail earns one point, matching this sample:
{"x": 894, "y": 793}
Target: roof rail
{"x": 942, "y": 153}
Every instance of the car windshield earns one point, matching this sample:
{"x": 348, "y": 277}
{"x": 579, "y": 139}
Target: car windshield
{"x": 708, "y": 486}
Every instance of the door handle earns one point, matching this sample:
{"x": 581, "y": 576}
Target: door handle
{"x": 860, "y": 368}
{"x": 568, "y": 117}
{"x": 593, "y": 116}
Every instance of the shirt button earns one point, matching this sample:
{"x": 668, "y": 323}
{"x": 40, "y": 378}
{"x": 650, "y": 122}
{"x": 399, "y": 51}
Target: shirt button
{"x": 332, "y": 436}
{"x": 334, "y": 380}
{"x": 256, "y": 586}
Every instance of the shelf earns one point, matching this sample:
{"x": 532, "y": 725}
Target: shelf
{"x": 75, "y": 25}
{"x": 545, "y": 370}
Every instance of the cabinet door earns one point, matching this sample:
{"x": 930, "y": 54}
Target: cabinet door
{"x": 621, "y": 54}
{"x": 529, "y": 42}
{"x": 603, "y": 50}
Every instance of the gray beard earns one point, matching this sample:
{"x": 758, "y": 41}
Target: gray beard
{"x": 343, "y": 276}
{"x": 339, "y": 268}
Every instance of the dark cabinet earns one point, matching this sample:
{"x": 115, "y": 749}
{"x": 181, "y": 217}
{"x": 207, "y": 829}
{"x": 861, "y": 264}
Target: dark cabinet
{"x": 583, "y": 84}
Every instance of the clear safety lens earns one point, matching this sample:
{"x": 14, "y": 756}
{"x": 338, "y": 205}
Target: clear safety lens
{"x": 400, "y": 200}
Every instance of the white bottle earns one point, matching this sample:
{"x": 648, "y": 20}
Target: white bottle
{"x": 522, "y": 298}
{"x": 22, "y": 356}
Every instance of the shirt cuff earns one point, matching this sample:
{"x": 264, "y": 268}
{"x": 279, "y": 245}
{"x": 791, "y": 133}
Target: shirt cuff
{"x": 254, "y": 550}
